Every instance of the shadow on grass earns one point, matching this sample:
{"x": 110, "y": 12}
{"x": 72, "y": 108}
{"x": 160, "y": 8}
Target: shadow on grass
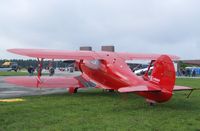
{"x": 113, "y": 95}
{"x": 129, "y": 101}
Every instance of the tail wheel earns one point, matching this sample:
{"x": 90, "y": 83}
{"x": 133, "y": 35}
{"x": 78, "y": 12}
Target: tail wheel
{"x": 151, "y": 102}
{"x": 109, "y": 90}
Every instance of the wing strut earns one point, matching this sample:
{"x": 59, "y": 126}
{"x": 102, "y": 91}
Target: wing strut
{"x": 40, "y": 65}
{"x": 145, "y": 76}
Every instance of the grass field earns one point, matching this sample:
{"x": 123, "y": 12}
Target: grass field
{"x": 19, "y": 73}
{"x": 95, "y": 110}
{"x": 13, "y": 73}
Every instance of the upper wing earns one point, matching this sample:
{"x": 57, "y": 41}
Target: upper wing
{"x": 56, "y": 54}
{"x": 135, "y": 56}
{"x": 86, "y": 55}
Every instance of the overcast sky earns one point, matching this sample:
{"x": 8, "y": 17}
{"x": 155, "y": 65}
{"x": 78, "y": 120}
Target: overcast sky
{"x": 142, "y": 26}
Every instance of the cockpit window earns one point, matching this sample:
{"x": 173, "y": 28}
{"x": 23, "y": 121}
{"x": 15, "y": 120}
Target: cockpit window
{"x": 95, "y": 62}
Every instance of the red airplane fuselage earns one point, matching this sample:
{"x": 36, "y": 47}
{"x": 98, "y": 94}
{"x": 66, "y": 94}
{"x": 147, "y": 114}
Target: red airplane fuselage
{"x": 116, "y": 74}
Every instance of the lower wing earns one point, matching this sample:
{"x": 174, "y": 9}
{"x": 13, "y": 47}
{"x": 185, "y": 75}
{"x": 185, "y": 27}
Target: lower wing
{"x": 50, "y": 82}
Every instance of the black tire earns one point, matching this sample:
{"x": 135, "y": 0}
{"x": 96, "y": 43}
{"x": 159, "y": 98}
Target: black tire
{"x": 75, "y": 90}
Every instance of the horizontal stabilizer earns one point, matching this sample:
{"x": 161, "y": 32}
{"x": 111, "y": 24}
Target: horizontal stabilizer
{"x": 138, "y": 89}
{"x": 44, "y": 81}
{"x": 180, "y": 88}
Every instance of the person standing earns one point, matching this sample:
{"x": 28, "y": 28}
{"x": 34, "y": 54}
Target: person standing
{"x": 30, "y": 70}
{"x": 193, "y": 73}
{"x": 51, "y": 71}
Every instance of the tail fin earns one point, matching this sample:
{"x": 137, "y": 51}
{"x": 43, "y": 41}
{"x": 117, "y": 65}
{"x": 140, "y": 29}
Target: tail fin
{"x": 163, "y": 74}
{"x": 160, "y": 84}
{"x": 162, "y": 78}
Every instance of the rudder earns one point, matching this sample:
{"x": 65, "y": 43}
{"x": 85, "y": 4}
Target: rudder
{"x": 163, "y": 74}
{"x": 163, "y": 78}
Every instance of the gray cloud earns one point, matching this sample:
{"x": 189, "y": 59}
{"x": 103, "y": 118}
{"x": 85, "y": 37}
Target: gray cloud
{"x": 141, "y": 26}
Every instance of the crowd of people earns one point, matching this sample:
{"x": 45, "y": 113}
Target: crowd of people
{"x": 31, "y": 70}
{"x": 187, "y": 72}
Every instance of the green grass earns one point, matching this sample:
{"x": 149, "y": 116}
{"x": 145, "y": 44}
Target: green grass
{"x": 13, "y": 73}
{"x": 95, "y": 110}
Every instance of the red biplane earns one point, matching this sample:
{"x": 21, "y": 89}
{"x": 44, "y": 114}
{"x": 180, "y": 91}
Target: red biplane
{"x": 107, "y": 70}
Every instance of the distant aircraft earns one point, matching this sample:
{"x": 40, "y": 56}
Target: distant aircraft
{"x": 9, "y": 66}
{"x": 106, "y": 70}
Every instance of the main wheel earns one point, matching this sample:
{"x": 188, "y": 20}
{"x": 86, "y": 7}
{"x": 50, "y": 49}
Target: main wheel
{"x": 73, "y": 90}
{"x": 76, "y": 90}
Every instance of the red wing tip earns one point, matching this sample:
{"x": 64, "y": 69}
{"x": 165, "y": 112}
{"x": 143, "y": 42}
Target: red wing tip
{"x": 177, "y": 88}
{"x": 13, "y": 50}
{"x": 9, "y": 50}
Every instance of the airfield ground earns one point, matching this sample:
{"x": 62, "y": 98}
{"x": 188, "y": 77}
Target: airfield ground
{"x": 13, "y": 73}
{"x": 96, "y": 110}
{"x": 11, "y": 91}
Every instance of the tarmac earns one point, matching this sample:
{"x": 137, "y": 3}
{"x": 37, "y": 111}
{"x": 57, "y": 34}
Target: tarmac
{"x": 13, "y": 91}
